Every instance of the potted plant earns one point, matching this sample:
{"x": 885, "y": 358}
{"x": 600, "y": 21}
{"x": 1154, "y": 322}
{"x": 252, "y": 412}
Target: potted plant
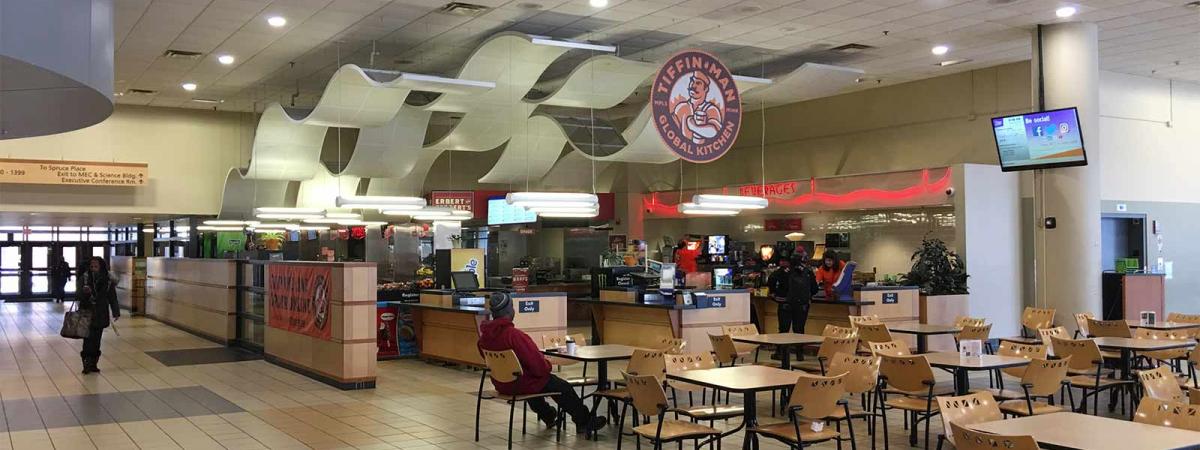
{"x": 941, "y": 276}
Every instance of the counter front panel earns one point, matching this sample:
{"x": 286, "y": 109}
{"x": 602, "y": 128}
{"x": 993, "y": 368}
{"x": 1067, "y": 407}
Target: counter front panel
{"x": 645, "y": 325}
{"x": 451, "y": 333}
{"x": 196, "y": 295}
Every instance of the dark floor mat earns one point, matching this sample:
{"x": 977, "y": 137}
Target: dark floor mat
{"x": 194, "y": 356}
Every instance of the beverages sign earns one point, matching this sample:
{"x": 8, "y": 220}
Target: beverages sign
{"x": 88, "y": 173}
{"x": 696, "y": 106}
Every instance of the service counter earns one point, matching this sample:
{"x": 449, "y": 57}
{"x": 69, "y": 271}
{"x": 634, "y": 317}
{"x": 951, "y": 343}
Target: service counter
{"x": 131, "y": 282}
{"x": 618, "y": 318}
{"x": 196, "y": 295}
{"x": 893, "y": 305}
{"x": 447, "y": 332}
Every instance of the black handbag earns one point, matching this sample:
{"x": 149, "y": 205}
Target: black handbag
{"x": 76, "y": 323}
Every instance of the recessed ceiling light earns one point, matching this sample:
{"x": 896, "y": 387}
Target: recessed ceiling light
{"x": 940, "y": 50}
{"x": 226, "y": 59}
{"x": 1065, "y": 12}
{"x": 276, "y": 21}
{"x": 188, "y": 86}
{"x": 598, "y": 3}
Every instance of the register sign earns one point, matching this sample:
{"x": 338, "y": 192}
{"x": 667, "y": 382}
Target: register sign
{"x": 90, "y": 173}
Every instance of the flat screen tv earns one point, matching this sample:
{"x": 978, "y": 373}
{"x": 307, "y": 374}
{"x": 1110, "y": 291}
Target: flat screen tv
{"x": 716, "y": 244}
{"x": 1039, "y": 140}
{"x": 502, "y": 213}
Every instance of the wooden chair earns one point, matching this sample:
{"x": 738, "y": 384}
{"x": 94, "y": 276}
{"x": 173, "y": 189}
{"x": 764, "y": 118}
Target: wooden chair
{"x": 671, "y": 346}
{"x": 641, "y": 363}
{"x": 1194, "y": 396}
{"x": 1108, "y": 328}
{"x": 1183, "y": 318}
{"x": 1166, "y": 413}
{"x": 862, "y": 375}
{"x": 968, "y": 439}
{"x": 648, "y": 398}
{"x": 704, "y": 411}
{"x": 724, "y": 349}
{"x": 1042, "y": 378}
{"x": 975, "y": 332}
{"x": 913, "y": 375}
{"x": 1081, "y": 324}
{"x": 829, "y": 347}
{"x": 1033, "y": 319}
{"x": 1013, "y": 349}
{"x": 1193, "y": 362}
{"x": 836, "y": 331}
{"x": 1160, "y": 383}
{"x": 890, "y": 348}
{"x": 874, "y": 332}
{"x": 1087, "y": 366}
{"x": 1046, "y": 333}
{"x": 966, "y": 321}
{"x": 582, "y": 381}
{"x": 1171, "y": 356}
{"x": 814, "y": 398}
{"x": 967, "y": 409}
{"x": 504, "y": 367}
{"x": 743, "y": 349}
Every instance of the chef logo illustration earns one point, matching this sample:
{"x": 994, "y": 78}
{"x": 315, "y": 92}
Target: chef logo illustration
{"x": 320, "y": 302}
{"x": 696, "y": 106}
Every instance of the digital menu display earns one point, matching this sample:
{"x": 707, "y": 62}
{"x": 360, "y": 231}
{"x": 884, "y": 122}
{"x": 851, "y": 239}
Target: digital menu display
{"x": 1039, "y": 140}
{"x": 502, "y": 213}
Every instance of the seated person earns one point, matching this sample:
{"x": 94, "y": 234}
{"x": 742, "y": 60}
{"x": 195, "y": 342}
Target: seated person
{"x": 499, "y": 334}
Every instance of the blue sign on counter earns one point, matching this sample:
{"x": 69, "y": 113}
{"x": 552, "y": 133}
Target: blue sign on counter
{"x": 529, "y": 306}
{"x": 891, "y": 298}
{"x": 717, "y": 302}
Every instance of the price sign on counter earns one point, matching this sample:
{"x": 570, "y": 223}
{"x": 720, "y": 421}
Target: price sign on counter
{"x": 88, "y": 173}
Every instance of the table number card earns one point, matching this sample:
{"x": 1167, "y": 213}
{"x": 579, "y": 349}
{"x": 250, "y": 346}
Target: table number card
{"x": 970, "y": 348}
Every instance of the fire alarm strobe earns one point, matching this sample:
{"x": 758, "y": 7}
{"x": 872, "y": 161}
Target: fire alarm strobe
{"x": 1051, "y": 223}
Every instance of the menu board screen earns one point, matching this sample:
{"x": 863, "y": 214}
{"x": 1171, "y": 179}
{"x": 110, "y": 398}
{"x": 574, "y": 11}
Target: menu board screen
{"x": 1039, "y": 140}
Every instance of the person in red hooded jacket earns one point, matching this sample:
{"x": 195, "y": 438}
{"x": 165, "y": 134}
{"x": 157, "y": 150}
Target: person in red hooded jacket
{"x": 499, "y": 334}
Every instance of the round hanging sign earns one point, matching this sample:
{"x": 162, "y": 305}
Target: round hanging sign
{"x": 696, "y": 106}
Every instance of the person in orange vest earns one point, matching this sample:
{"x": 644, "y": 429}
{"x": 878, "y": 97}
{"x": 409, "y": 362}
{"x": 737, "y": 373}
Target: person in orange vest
{"x": 827, "y": 275}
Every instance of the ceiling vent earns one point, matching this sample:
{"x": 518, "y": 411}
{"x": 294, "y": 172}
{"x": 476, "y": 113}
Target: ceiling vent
{"x": 851, "y": 49}
{"x": 181, "y": 54}
{"x": 141, "y": 91}
{"x": 463, "y": 9}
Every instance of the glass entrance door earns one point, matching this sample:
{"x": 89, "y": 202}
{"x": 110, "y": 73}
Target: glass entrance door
{"x": 38, "y": 270}
{"x": 10, "y": 270}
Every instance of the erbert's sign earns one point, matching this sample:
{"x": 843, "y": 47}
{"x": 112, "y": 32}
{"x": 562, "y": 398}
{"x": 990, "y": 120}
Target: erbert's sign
{"x": 696, "y": 106}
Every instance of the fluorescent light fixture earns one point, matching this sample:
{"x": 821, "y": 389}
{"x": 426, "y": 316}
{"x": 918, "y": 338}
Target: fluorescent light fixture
{"x": 444, "y": 80}
{"x": 952, "y": 62}
{"x": 379, "y": 202}
{"x": 276, "y": 21}
{"x": 794, "y": 236}
{"x": 213, "y": 101}
{"x": 541, "y": 40}
{"x": 312, "y": 227}
{"x": 400, "y": 212}
{"x": 1065, "y": 12}
{"x": 280, "y": 213}
{"x": 276, "y": 226}
{"x": 441, "y": 213}
{"x": 219, "y": 228}
{"x": 335, "y": 217}
{"x": 552, "y": 199}
{"x": 189, "y": 86}
{"x": 711, "y": 201}
{"x": 543, "y": 210}
{"x": 752, "y": 80}
{"x": 561, "y": 214}
{"x": 694, "y": 209}
{"x": 598, "y": 3}
{"x": 226, "y": 59}
{"x": 221, "y": 222}
{"x": 940, "y": 50}
{"x": 361, "y": 223}
{"x": 147, "y": 230}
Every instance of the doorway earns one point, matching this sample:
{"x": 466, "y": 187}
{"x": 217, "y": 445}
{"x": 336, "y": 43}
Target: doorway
{"x": 1122, "y": 236}
{"x": 25, "y": 267}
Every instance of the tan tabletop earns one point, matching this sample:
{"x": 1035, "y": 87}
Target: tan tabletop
{"x": 1163, "y": 326}
{"x": 590, "y": 353}
{"x": 981, "y": 362}
{"x": 925, "y": 329}
{"x": 740, "y": 378}
{"x": 1068, "y": 430}
{"x": 780, "y": 339}
{"x": 1141, "y": 345}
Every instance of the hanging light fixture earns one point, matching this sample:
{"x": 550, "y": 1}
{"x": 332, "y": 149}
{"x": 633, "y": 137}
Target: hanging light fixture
{"x": 334, "y": 217}
{"x": 736, "y": 202}
{"x": 277, "y": 213}
{"x": 380, "y": 202}
{"x": 278, "y": 226}
{"x": 220, "y": 228}
{"x": 441, "y": 214}
{"x": 224, "y": 223}
{"x": 552, "y": 199}
{"x": 696, "y": 209}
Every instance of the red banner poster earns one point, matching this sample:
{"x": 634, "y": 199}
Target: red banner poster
{"x": 520, "y": 276}
{"x": 789, "y": 224}
{"x": 298, "y": 299}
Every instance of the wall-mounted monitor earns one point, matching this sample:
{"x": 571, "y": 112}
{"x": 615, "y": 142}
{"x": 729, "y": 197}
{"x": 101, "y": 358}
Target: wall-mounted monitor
{"x": 502, "y": 213}
{"x": 717, "y": 244}
{"x": 1039, "y": 140}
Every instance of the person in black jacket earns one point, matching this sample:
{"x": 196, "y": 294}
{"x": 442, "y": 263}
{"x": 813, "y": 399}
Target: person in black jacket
{"x": 98, "y": 294}
{"x": 801, "y": 284}
{"x": 60, "y": 272}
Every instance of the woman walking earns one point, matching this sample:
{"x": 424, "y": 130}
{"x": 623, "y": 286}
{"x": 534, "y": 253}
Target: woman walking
{"x": 97, "y": 294}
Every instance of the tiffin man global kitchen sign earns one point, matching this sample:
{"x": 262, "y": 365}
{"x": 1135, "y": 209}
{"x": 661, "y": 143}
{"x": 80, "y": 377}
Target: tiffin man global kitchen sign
{"x": 696, "y": 106}
{"x": 88, "y": 173}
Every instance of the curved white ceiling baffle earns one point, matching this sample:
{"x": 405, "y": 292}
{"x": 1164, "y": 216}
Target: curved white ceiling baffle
{"x": 809, "y": 81}
{"x": 514, "y": 63}
{"x": 391, "y": 150}
{"x": 322, "y": 190}
{"x": 574, "y": 171}
{"x": 530, "y": 153}
{"x": 56, "y": 66}
{"x": 284, "y": 148}
{"x": 242, "y": 195}
{"x": 643, "y": 143}
{"x": 411, "y": 184}
{"x": 615, "y": 78}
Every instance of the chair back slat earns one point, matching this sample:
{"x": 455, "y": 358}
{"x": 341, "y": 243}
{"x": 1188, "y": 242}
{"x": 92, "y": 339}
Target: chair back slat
{"x": 976, "y": 332}
{"x": 1165, "y": 413}
{"x": 647, "y": 393}
{"x": 832, "y": 346}
{"x": 1046, "y": 333}
{"x": 680, "y": 362}
{"x": 1183, "y": 318}
{"x": 907, "y": 373}
{"x": 672, "y": 345}
{"x": 855, "y": 321}
{"x": 745, "y": 329}
{"x": 968, "y": 410}
{"x": 503, "y": 365}
{"x": 816, "y": 397}
{"x": 890, "y": 348}
{"x": 1081, "y": 322}
{"x": 966, "y": 321}
{"x": 862, "y": 372}
{"x": 1027, "y": 351}
{"x": 1045, "y": 376}
{"x": 647, "y": 362}
{"x": 1037, "y": 318}
{"x": 1160, "y": 383}
{"x": 1108, "y": 328}
{"x": 874, "y": 332}
{"x": 968, "y": 439}
{"x": 1084, "y": 353}
{"x": 723, "y": 348}
{"x": 836, "y": 331}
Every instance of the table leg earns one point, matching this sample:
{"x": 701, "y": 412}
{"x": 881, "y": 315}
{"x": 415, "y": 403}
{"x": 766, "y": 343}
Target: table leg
{"x": 962, "y": 384}
{"x": 785, "y": 361}
{"x": 922, "y": 344}
{"x": 750, "y": 419}
{"x": 1126, "y": 363}
{"x": 601, "y": 375}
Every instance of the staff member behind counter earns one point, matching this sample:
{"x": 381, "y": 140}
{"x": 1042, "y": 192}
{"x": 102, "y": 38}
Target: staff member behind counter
{"x": 831, "y": 268}
{"x": 793, "y": 286}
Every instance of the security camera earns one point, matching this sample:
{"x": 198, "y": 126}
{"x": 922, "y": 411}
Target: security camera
{"x": 949, "y": 192}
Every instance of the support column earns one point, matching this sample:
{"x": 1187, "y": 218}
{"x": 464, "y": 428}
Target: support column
{"x": 1068, "y": 256}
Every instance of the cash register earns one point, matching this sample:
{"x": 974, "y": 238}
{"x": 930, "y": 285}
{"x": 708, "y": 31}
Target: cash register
{"x": 466, "y": 289}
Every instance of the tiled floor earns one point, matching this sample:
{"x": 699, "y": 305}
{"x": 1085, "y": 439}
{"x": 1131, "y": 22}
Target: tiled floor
{"x": 138, "y": 402}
